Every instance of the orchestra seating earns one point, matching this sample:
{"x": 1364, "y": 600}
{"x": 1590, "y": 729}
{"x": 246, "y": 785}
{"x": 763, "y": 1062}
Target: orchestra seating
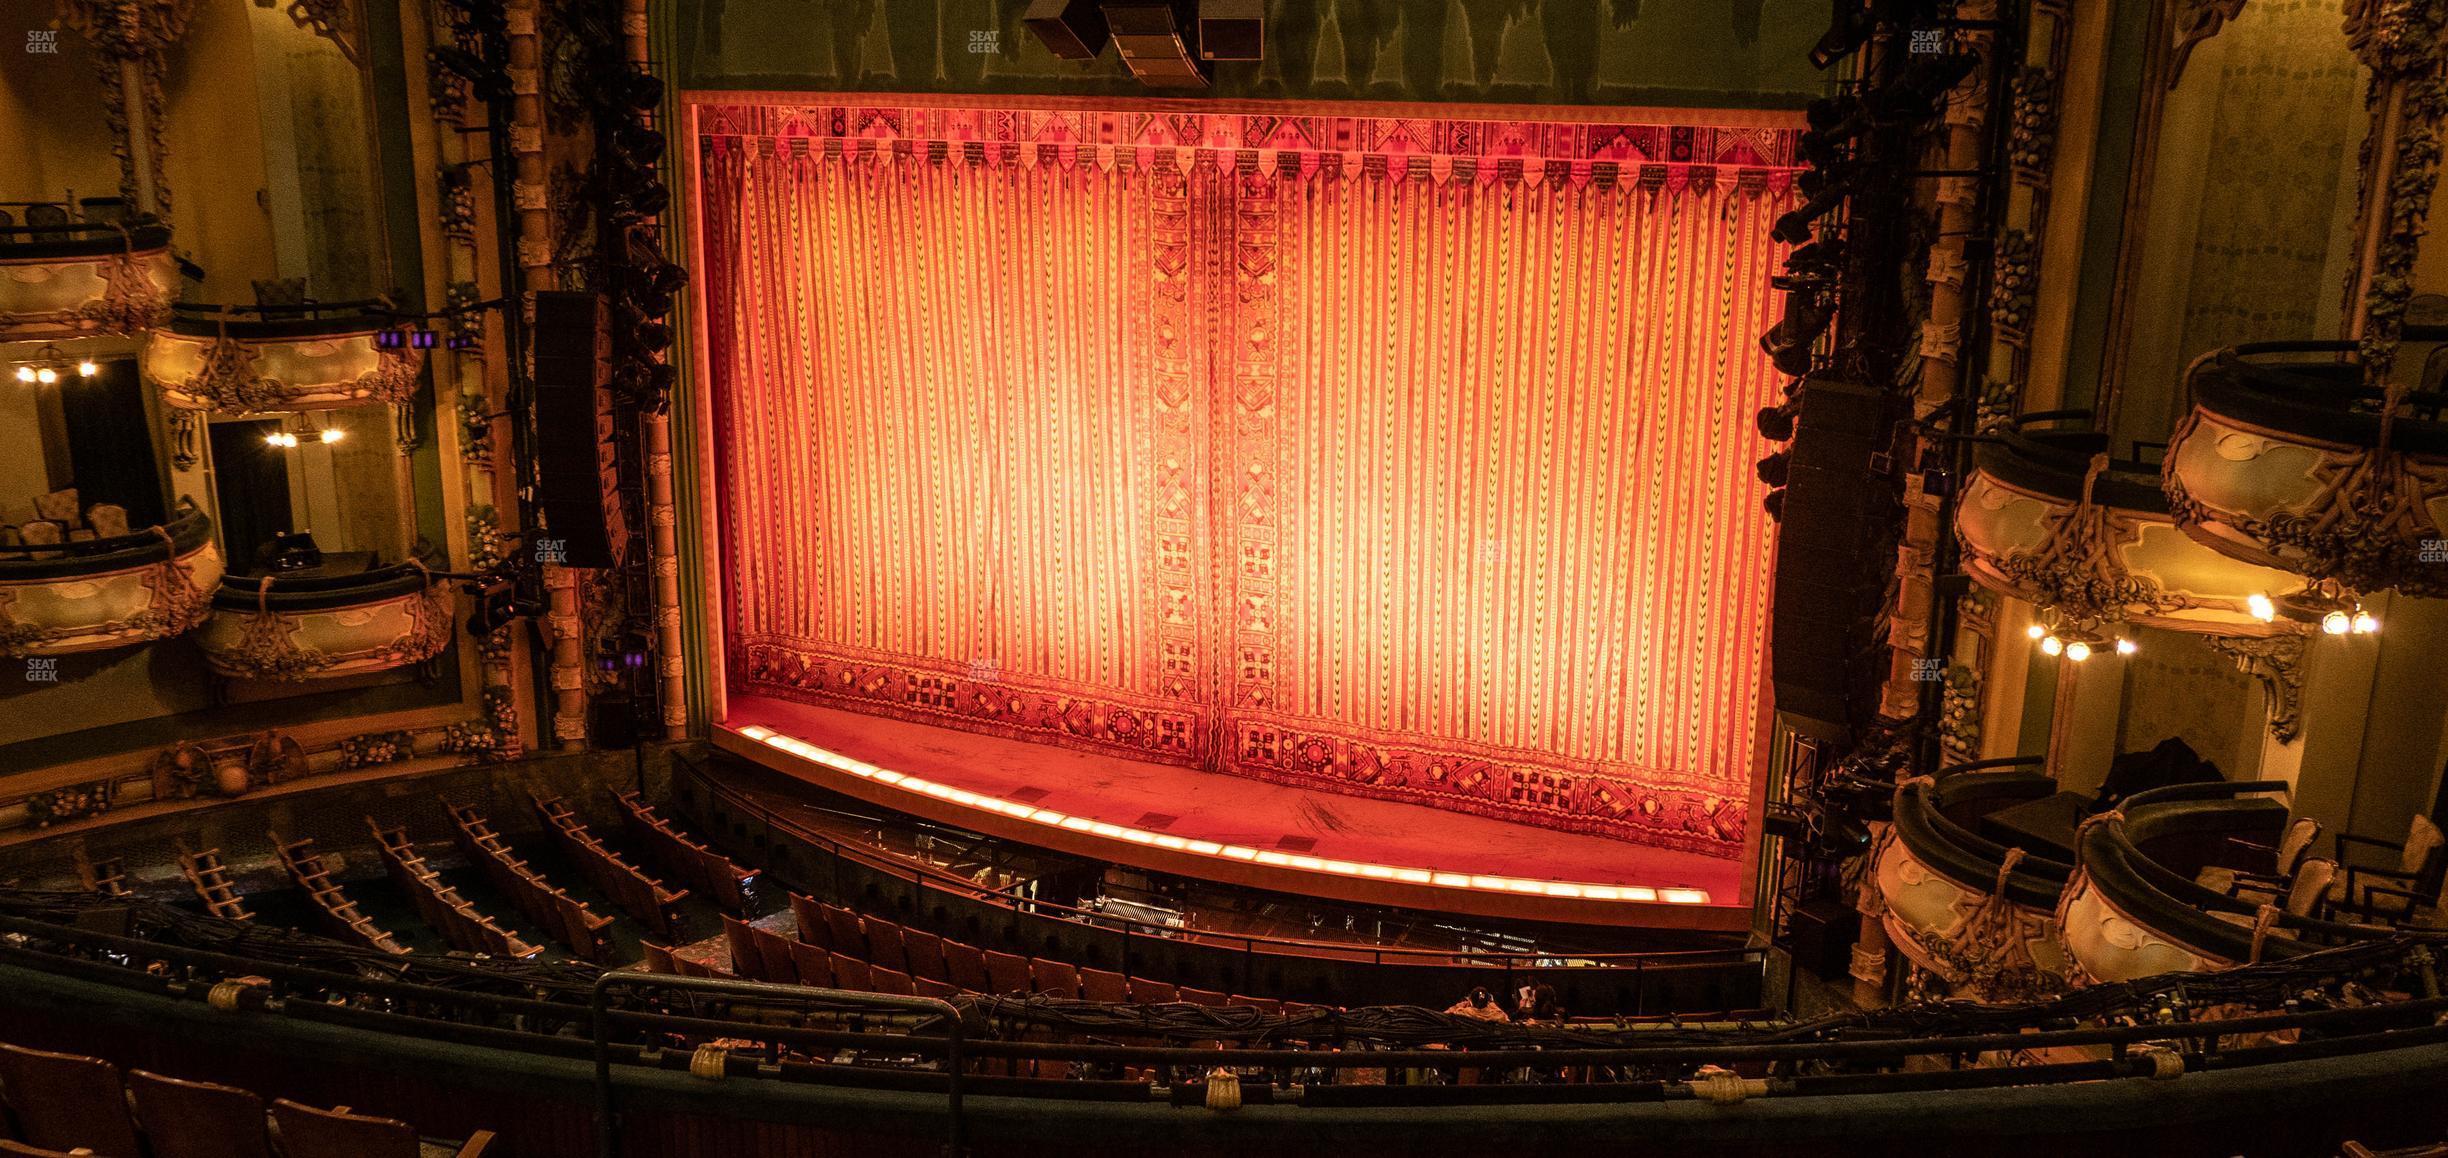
{"x": 440, "y": 905}
{"x": 60, "y": 1103}
{"x": 587, "y": 934}
{"x": 710, "y": 873}
{"x": 212, "y": 884}
{"x": 339, "y": 914}
{"x": 638, "y": 894}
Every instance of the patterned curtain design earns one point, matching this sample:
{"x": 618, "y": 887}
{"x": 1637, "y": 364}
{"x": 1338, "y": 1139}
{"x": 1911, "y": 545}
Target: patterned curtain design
{"x": 1407, "y": 458}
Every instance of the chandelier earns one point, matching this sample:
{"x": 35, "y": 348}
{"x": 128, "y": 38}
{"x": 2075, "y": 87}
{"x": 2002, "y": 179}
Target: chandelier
{"x": 48, "y": 365}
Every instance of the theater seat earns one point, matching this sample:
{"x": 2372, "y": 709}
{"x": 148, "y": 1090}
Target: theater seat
{"x": 1054, "y": 977}
{"x": 891, "y": 981}
{"x": 812, "y": 927}
{"x": 184, "y": 1119}
{"x": 813, "y": 965}
{"x": 775, "y": 950}
{"x": 1006, "y": 973}
{"x": 925, "y": 953}
{"x": 746, "y": 960}
{"x": 884, "y": 950}
{"x": 63, "y": 1101}
{"x": 1147, "y": 992}
{"x": 965, "y": 967}
{"x": 306, "y": 1132}
{"x": 851, "y": 973}
{"x": 1203, "y": 996}
{"x": 1104, "y": 985}
{"x": 842, "y": 929}
{"x": 929, "y": 987}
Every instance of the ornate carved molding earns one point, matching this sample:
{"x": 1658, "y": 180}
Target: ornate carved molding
{"x": 2031, "y": 137}
{"x": 333, "y": 20}
{"x": 2276, "y": 661}
{"x": 2189, "y": 23}
{"x": 2014, "y": 287}
{"x": 130, "y": 38}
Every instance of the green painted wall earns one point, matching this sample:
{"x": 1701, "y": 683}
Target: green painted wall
{"x": 1694, "y": 53}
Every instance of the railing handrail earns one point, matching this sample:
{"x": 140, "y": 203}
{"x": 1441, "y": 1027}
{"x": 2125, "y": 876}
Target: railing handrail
{"x": 953, "y": 883}
{"x": 600, "y": 1018}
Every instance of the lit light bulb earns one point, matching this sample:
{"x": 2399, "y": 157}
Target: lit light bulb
{"x": 2035, "y": 631}
{"x": 86, "y": 369}
{"x": 2336, "y": 623}
{"x": 25, "y": 373}
{"x": 2127, "y": 647}
{"x": 46, "y": 375}
{"x": 2364, "y": 624}
{"x": 333, "y": 434}
{"x": 2261, "y": 607}
{"x": 2053, "y": 645}
{"x": 2078, "y": 651}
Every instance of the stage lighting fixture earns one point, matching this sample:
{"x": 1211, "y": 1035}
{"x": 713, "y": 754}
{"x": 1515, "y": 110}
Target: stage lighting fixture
{"x": 1775, "y": 468}
{"x": 1788, "y": 343}
{"x": 1794, "y": 226}
{"x": 1817, "y": 257}
{"x": 1849, "y": 27}
{"x": 1776, "y": 423}
{"x": 1916, "y": 94}
{"x": 639, "y": 90}
{"x": 638, "y": 144}
{"x": 1774, "y": 504}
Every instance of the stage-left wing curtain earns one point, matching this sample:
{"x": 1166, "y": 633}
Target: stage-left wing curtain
{"x": 1407, "y": 458}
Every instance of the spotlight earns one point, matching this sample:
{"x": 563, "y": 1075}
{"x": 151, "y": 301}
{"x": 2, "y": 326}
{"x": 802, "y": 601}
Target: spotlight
{"x": 641, "y": 91}
{"x": 1774, "y": 468}
{"x": 2127, "y": 646}
{"x": 638, "y": 144}
{"x": 2261, "y": 607}
{"x": 1848, "y": 29}
{"x": 2336, "y": 623}
{"x": 1776, "y": 423}
{"x": 1774, "y": 504}
{"x": 1794, "y": 227}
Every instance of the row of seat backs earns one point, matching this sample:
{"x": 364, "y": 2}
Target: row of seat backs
{"x": 587, "y": 933}
{"x": 726, "y": 883}
{"x": 440, "y": 905}
{"x": 641, "y": 895}
{"x": 889, "y": 950}
{"x": 310, "y": 874}
{"x": 212, "y": 884}
{"x": 60, "y": 1102}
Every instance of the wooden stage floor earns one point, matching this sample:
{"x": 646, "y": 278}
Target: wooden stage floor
{"x": 1238, "y": 831}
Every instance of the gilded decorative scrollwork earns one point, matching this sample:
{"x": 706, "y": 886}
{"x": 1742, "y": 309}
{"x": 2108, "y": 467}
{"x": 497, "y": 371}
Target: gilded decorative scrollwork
{"x": 2364, "y": 526}
{"x": 2276, "y": 661}
{"x": 333, "y": 20}
{"x": 2192, "y": 21}
{"x": 2031, "y": 136}
{"x": 135, "y": 32}
{"x": 2014, "y": 287}
{"x": 2078, "y": 572}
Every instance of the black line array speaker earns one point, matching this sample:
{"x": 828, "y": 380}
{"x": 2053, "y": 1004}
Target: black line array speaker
{"x": 1070, "y": 29}
{"x": 1833, "y": 554}
{"x": 1158, "y": 39}
{"x": 575, "y": 471}
{"x": 1231, "y": 29}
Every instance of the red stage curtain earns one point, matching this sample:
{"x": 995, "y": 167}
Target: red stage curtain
{"x": 1402, "y": 457}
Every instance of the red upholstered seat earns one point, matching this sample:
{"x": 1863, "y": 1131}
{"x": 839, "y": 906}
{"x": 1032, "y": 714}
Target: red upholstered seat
{"x": 1056, "y": 978}
{"x": 63, "y": 1101}
{"x": 924, "y": 952}
{"x": 842, "y": 927}
{"x": 1104, "y": 985}
{"x": 1147, "y": 992}
{"x": 851, "y": 973}
{"x": 746, "y": 960}
{"x": 891, "y": 981}
{"x": 814, "y": 965}
{"x": 1006, "y": 973}
{"x": 1266, "y": 1005}
{"x": 775, "y": 950}
{"x": 929, "y": 987}
{"x": 1202, "y": 996}
{"x": 965, "y": 967}
{"x": 185, "y": 1119}
{"x": 658, "y": 958}
{"x": 884, "y": 949}
{"x": 812, "y": 928}
{"x": 306, "y": 1132}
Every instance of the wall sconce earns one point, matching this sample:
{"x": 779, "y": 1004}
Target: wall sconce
{"x": 48, "y": 365}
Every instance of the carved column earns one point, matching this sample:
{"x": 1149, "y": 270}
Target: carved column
{"x": 529, "y": 187}
{"x": 2405, "y": 44}
{"x": 129, "y": 39}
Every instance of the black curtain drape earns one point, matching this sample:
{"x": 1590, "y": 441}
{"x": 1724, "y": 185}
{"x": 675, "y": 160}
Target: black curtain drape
{"x": 110, "y": 445}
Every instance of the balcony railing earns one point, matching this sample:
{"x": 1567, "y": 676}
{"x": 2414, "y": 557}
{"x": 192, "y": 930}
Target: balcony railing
{"x": 64, "y": 598}
{"x": 84, "y": 279}
{"x": 271, "y": 628}
{"x": 253, "y": 359}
